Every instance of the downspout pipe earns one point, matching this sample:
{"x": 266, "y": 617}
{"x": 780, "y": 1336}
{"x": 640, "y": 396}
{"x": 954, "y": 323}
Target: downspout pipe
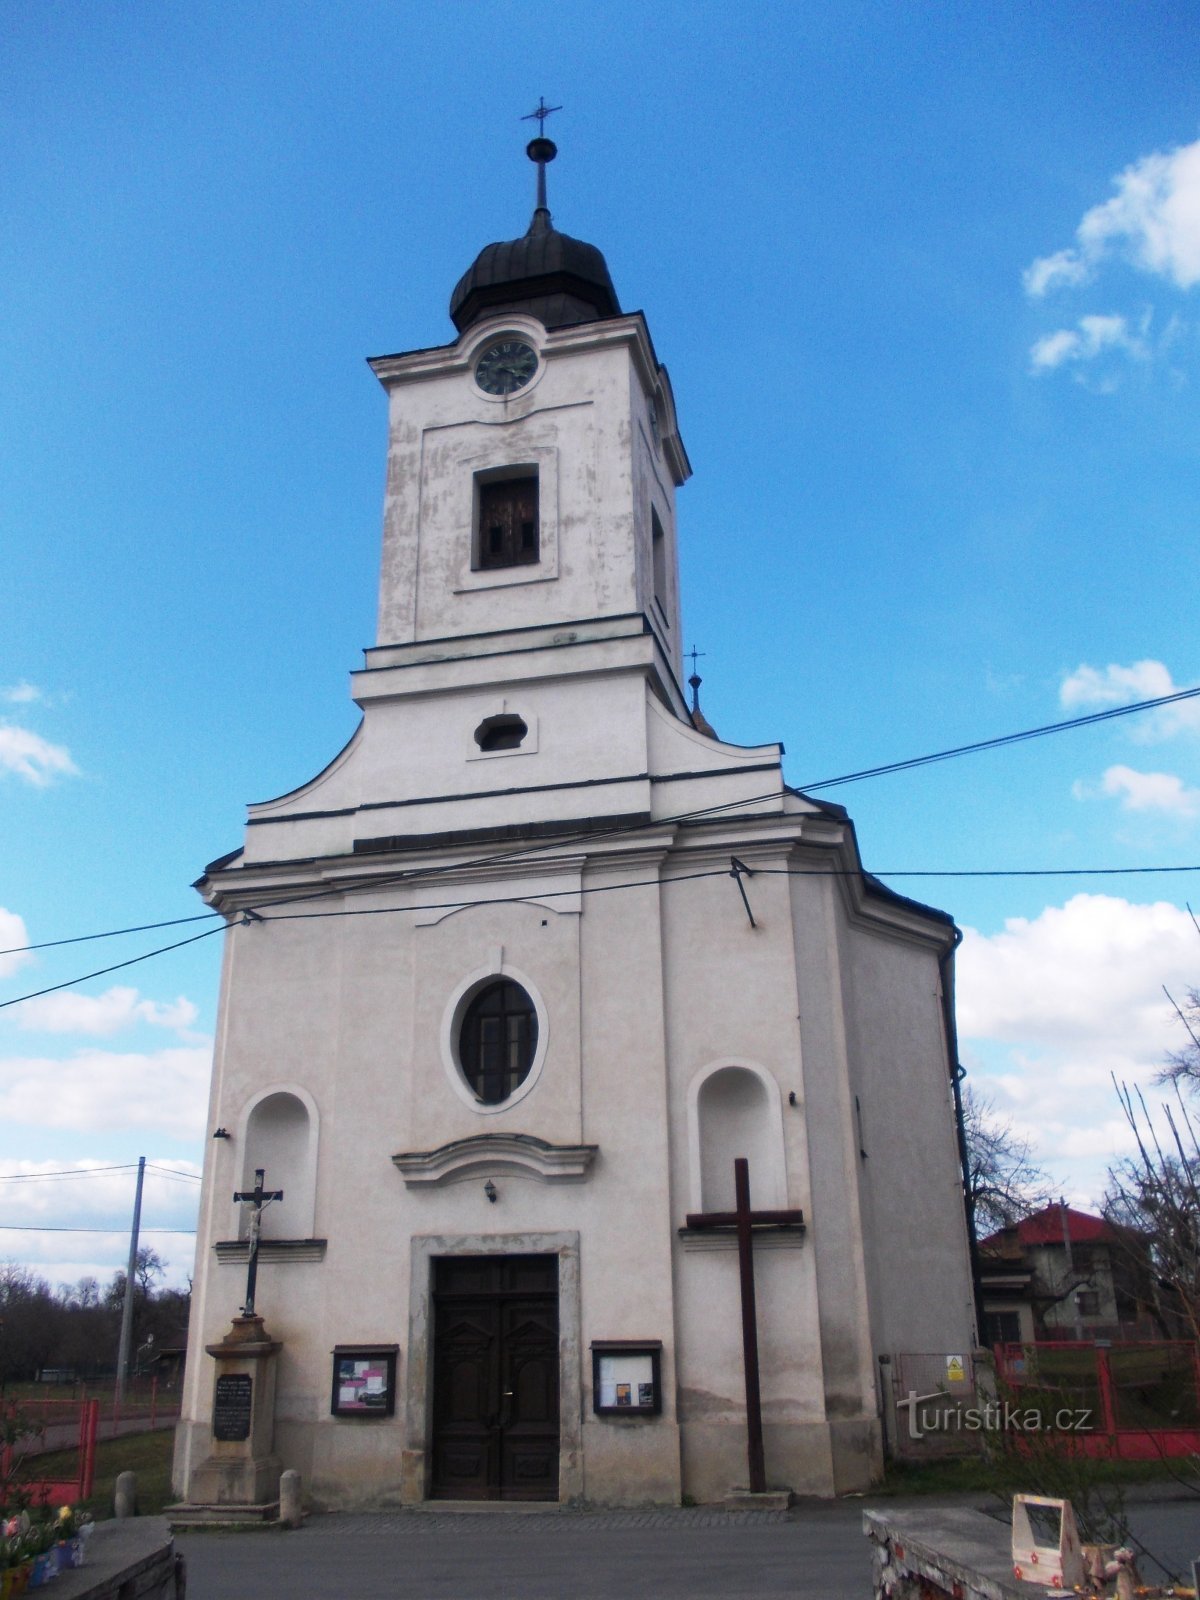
{"x": 957, "y": 1074}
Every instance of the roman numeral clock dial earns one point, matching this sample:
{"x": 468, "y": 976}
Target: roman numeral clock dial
{"x": 505, "y": 367}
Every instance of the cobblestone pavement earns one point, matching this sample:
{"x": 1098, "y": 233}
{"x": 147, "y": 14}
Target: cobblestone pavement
{"x": 699, "y": 1554}
{"x": 421, "y": 1520}
{"x": 816, "y": 1551}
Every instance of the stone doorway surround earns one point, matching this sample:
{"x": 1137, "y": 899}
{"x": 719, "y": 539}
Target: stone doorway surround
{"x": 418, "y": 1392}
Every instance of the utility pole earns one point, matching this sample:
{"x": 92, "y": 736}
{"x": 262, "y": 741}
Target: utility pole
{"x": 130, "y": 1280}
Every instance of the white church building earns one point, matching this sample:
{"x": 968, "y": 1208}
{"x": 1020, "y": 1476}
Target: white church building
{"x": 513, "y": 981}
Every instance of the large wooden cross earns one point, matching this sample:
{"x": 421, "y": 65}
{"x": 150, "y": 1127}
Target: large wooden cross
{"x": 257, "y": 1198}
{"x": 745, "y": 1221}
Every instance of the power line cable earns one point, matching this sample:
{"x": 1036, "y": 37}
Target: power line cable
{"x": 500, "y": 900}
{"x": 959, "y": 872}
{"x": 64, "y": 1172}
{"x": 718, "y": 872}
{"x": 640, "y": 825}
{"x": 113, "y": 933}
{"x": 102, "y": 971}
{"x": 608, "y": 888}
{"x": 1007, "y": 739}
{"x": 799, "y": 790}
{"x": 117, "y": 1227}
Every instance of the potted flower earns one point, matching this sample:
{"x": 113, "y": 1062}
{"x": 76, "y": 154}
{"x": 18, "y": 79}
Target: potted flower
{"x": 18, "y": 1564}
{"x": 70, "y": 1544}
{"x": 41, "y": 1545}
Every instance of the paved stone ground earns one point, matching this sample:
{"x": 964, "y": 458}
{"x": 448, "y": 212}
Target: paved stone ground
{"x": 813, "y": 1552}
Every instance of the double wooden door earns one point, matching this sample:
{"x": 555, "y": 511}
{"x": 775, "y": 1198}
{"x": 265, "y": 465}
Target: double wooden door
{"x": 495, "y": 1378}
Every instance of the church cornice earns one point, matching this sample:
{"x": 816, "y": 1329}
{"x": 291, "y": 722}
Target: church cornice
{"x": 486, "y": 1153}
{"x": 629, "y": 330}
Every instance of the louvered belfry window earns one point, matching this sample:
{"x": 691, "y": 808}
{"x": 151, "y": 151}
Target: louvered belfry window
{"x": 508, "y": 523}
{"x": 498, "y": 1040}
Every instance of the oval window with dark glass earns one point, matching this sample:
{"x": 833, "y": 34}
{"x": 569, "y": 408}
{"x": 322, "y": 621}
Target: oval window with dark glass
{"x": 497, "y": 1041}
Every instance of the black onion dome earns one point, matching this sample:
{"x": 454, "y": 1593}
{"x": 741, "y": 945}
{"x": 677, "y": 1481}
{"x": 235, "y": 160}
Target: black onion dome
{"x": 545, "y": 274}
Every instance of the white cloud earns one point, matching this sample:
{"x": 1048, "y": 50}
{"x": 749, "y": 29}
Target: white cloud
{"x": 1150, "y": 791}
{"x": 1095, "y": 965}
{"x": 1093, "y": 337}
{"x": 33, "y": 758}
{"x": 1117, "y": 685}
{"x": 1063, "y": 267}
{"x": 1153, "y": 220}
{"x": 22, "y": 694}
{"x": 91, "y": 1195}
{"x": 1052, "y": 1005}
{"x": 12, "y": 936}
{"x": 1053, "y": 349}
{"x": 102, "y": 1014}
{"x": 162, "y": 1091}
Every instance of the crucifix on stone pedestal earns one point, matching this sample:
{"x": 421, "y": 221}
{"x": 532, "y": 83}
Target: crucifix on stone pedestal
{"x": 257, "y": 1198}
{"x": 745, "y": 1221}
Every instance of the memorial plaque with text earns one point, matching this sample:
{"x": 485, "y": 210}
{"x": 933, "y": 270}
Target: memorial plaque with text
{"x": 231, "y": 1406}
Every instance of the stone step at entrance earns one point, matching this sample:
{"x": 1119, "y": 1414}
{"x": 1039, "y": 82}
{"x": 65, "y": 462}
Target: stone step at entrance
{"x": 184, "y": 1515}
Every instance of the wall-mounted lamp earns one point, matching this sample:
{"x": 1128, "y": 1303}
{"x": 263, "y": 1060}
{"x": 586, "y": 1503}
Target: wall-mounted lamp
{"x": 489, "y": 1189}
{"x": 222, "y": 1133}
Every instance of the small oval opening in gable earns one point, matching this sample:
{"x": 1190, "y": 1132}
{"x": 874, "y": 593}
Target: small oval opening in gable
{"x": 503, "y": 732}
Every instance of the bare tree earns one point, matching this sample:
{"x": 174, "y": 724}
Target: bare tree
{"x": 1155, "y": 1194}
{"x": 1182, "y": 1068}
{"x": 1006, "y": 1183}
{"x": 1183, "y": 1065}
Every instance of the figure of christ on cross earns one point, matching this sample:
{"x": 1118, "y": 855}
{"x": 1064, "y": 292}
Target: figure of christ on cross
{"x": 256, "y": 1198}
{"x": 745, "y": 1221}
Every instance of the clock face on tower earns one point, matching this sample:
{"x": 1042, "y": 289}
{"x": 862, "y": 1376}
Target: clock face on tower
{"x": 505, "y": 367}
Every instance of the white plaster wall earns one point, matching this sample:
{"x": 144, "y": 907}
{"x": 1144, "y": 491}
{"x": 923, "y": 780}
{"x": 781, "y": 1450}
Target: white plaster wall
{"x": 910, "y": 1179}
{"x": 653, "y": 487}
{"x": 731, "y": 995}
{"x": 574, "y": 421}
{"x": 836, "y": 1223}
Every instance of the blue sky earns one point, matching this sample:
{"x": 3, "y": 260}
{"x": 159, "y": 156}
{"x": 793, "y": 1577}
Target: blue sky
{"x": 926, "y": 283}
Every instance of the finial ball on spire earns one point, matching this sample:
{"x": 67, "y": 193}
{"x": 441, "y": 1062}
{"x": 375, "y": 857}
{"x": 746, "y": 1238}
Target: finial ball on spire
{"x": 540, "y": 150}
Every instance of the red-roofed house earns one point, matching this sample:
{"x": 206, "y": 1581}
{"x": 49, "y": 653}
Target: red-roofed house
{"x": 1061, "y": 1274}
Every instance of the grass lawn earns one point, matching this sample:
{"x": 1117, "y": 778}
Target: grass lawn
{"x": 969, "y": 1474}
{"x": 147, "y": 1454}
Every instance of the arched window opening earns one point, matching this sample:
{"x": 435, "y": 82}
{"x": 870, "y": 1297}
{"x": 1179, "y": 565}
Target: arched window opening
{"x": 659, "y": 549}
{"x": 736, "y": 1120}
{"x": 278, "y": 1139}
{"x": 497, "y": 1040}
{"x": 504, "y": 732}
{"x": 507, "y": 535}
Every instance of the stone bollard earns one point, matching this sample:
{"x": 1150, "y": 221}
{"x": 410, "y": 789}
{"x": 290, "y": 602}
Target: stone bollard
{"x": 125, "y": 1495}
{"x": 291, "y": 1511}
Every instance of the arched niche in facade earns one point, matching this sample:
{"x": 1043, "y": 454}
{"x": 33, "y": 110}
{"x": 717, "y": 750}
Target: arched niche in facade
{"x": 734, "y": 1109}
{"x": 280, "y": 1135}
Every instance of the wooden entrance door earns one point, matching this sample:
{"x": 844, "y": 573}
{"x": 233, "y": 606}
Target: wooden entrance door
{"x": 495, "y": 1378}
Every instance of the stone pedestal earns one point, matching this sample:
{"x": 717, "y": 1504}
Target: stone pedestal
{"x": 242, "y": 1469}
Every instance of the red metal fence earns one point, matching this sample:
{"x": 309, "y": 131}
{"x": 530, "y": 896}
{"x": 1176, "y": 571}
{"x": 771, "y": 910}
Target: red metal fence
{"x": 41, "y": 1425}
{"x": 1144, "y": 1399}
{"x": 146, "y": 1405}
{"x": 57, "y": 1426}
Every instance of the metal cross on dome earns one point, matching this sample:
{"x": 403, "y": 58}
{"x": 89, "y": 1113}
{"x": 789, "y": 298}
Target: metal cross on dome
{"x": 542, "y": 112}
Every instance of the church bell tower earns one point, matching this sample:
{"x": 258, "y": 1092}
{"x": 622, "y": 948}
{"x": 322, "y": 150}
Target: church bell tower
{"x": 536, "y": 964}
{"x": 533, "y": 464}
